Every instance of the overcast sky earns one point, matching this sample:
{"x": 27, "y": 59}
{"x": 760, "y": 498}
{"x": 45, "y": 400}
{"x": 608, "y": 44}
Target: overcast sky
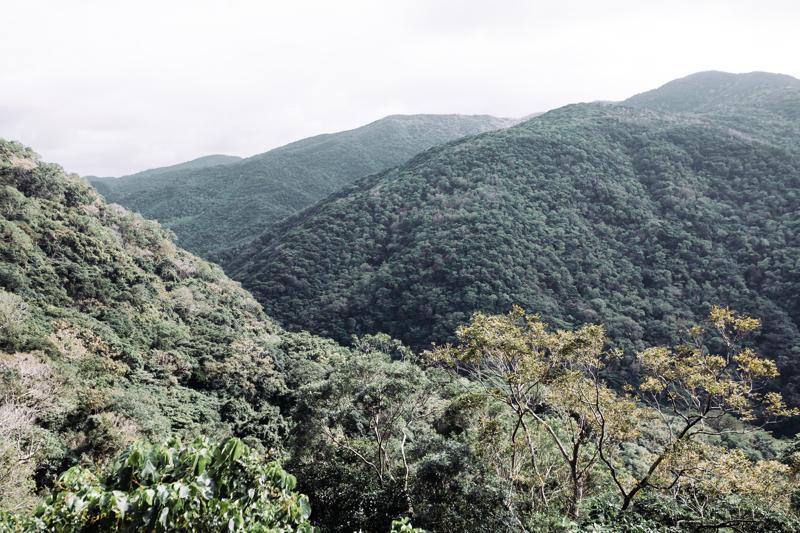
{"x": 111, "y": 87}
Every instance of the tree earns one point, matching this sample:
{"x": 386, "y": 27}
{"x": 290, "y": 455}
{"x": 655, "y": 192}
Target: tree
{"x": 703, "y": 478}
{"x": 13, "y": 316}
{"x": 692, "y": 390}
{"x": 27, "y": 388}
{"x": 404, "y": 526}
{"x": 552, "y": 384}
{"x": 371, "y": 410}
{"x": 547, "y": 379}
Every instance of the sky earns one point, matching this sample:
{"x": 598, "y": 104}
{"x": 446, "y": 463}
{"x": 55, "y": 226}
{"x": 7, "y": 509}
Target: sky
{"x": 111, "y": 87}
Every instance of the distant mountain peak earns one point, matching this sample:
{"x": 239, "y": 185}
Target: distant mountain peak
{"x": 707, "y": 90}
{"x": 719, "y": 76}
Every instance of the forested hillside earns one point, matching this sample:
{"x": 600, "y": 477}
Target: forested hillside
{"x": 216, "y": 207}
{"x": 631, "y": 214}
{"x": 111, "y": 332}
{"x": 142, "y": 390}
{"x": 758, "y": 106}
{"x": 741, "y": 98}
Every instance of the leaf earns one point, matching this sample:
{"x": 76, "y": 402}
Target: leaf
{"x": 162, "y": 518}
{"x": 148, "y": 470}
{"x": 121, "y": 503}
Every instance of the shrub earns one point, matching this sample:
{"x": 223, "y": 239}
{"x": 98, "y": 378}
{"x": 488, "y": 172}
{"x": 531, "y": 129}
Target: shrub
{"x": 200, "y": 486}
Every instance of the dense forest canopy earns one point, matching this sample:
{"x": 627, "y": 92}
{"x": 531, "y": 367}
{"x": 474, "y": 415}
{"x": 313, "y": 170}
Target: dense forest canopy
{"x": 111, "y": 336}
{"x": 212, "y": 206}
{"x": 143, "y": 390}
{"x": 111, "y": 332}
{"x": 632, "y": 215}
{"x": 737, "y": 96}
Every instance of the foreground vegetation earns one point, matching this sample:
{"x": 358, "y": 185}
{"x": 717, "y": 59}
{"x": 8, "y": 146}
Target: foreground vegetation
{"x": 200, "y": 486}
{"x": 514, "y": 428}
{"x": 109, "y": 333}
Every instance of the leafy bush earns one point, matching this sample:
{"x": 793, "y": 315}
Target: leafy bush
{"x": 200, "y": 486}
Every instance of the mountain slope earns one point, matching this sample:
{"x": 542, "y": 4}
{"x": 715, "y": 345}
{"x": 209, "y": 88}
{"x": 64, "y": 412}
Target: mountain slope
{"x": 757, "y": 104}
{"x": 636, "y": 218}
{"x": 711, "y": 91}
{"x": 220, "y": 206}
{"x": 109, "y": 332}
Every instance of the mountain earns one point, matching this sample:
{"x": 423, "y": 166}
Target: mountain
{"x": 109, "y": 332}
{"x": 127, "y": 364}
{"x": 112, "y": 337}
{"x": 216, "y": 207}
{"x": 632, "y": 215}
{"x": 757, "y": 104}
{"x": 715, "y": 91}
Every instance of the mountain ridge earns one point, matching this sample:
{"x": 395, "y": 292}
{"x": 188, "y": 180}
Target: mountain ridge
{"x": 220, "y": 206}
{"x": 635, "y": 218}
{"x": 699, "y": 88}
{"x": 625, "y": 215}
{"x": 198, "y": 162}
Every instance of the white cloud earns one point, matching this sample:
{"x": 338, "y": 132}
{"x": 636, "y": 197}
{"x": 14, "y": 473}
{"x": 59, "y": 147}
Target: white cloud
{"x": 111, "y": 87}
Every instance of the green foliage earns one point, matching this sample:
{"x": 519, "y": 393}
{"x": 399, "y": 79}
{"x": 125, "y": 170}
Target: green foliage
{"x": 199, "y": 486}
{"x": 635, "y": 218}
{"x": 658, "y": 513}
{"x": 756, "y": 102}
{"x": 386, "y": 425}
{"x": 109, "y": 332}
{"x": 213, "y": 206}
{"x": 128, "y": 336}
{"x": 404, "y": 526}
{"x": 640, "y": 219}
{"x": 561, "y": 434}
{"x": 550, "y": 384}
{"x": 13, "y": 318}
